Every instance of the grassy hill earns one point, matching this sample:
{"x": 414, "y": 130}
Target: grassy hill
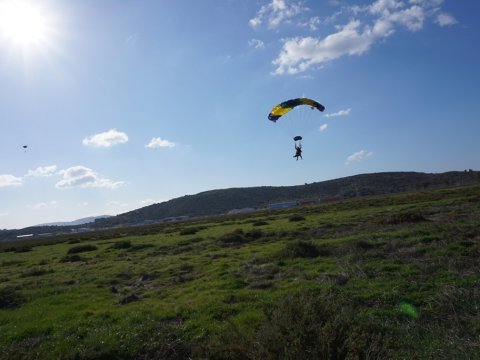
{"x": 221, "y": 201}
{"x": 390, "y": 276}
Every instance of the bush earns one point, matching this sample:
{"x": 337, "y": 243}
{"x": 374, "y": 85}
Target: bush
{"x": 10, "y": 298}
{"x": 35, "y": 271}
{"x": 240, "y": 237}
{"x": 306, "y": 326}
{"x": 260, "y": 223}
{"x": 72, "y": 258}
{"x": 124, "y": 244}
{"x": 300, "y": 249}
{"x": 81, "y": 248}
{"x": 295, "y": 218}
{"x": 405, "y": 217}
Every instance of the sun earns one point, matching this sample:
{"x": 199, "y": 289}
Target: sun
{"x": 23, "y": 23}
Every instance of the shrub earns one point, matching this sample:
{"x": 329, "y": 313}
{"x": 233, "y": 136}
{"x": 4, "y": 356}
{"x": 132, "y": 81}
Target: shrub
{"x": 295, "y": 218}
{"x": 240, "y": 237}
{"x": 81, "y": 248}
{"x": 10, "y": 298}
{"x": 124, "y": 244}
{"x": 260, "y": 223}
{"x": 72, "y": 258}
{"x": 35, "y": 271}
{"x": 306, "y": 326}
{"x": 405, "y": 217}
{"x": 299, "y": 248}
{"x": 189, "y": 231}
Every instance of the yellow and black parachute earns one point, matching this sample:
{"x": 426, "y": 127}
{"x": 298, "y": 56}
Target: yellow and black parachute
{"x": 286, "y": 106}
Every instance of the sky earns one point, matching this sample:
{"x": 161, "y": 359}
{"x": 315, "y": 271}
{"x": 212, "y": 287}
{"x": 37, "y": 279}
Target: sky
{"x": 126, "y": 103}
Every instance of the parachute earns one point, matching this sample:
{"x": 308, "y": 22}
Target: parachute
{"x": 297, "y": 138}
{"x": 286, "y": 106}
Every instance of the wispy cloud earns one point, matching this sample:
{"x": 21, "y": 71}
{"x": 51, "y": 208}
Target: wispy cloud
{"x": 256, "y": 44}
{"x": 445, "y": 19}
{"x": 339, "y": 113}
{"x": 83, "y": 177}
{"x": 159, "y": 142}
{"x": 106, "y": 139}
{"x": 10, "y": 181}
{"x": 323, "y": 127}
{"x": 42, "y": 171}
{"x": 277, "y": 12}
{"x": 357, "y": 156}
{"x": 311, "y": 23}
{"x": 367, "y": 26}
{"x": 45, "y": 205}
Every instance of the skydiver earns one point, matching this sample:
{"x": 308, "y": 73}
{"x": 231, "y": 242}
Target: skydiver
{"x": 298, "y": 151}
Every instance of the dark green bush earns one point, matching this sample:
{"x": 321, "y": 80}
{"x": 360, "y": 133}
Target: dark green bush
{"x": 35, "y": 271}
{"x": 295, "y": 218}
{"x": 307, "y": 325}
{"x": 10, "y": 298}
{"x": 405, "y": 217}
{"x": 72, "y": 258}
{"x": 299, "y": 249}
{"x": 123, "y": 244}
{"x": 260, "y": 223}
{"x": 81, "y": 248}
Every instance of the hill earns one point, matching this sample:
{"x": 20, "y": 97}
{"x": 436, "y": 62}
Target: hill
{"x": 221, "y": 201}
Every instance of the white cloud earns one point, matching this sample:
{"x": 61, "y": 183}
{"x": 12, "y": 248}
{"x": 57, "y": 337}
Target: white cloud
{"x": 384, "y": 6}
{"x": 369, "y": 25}
{"x": 147, "y": 202}
{"x": 43, "y": 171}
{"x": 159, "y": 142}
{"x": 10, "y": 180}
{"x": 83, "y": 177}
{"x": 256, "y": 44}
{"x": 106, "y": 139}
{"x": 445, "y": 19}
{"x": 117, "y": 204}
{"x": 4, "y": 213}
{"x": 323, "y": 127}
{"x": 339, "y": 113}
{"x": 311, "y": 23}
{"x": 359, "y": 155}
{"x": 276, "y": 12}
{"x": 45, "y": 205}
{"x": 299, "y": 54}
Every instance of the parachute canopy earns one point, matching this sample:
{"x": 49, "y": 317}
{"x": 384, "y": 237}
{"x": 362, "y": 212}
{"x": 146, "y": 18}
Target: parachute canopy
{"x": 286, "y": 106}
{"x": 297, "y": 138}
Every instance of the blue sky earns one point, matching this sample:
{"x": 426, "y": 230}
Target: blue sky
{"x": 126, "y": 103}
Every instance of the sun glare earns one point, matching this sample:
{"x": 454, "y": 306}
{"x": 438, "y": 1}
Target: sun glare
{"x": 23, "y": 23}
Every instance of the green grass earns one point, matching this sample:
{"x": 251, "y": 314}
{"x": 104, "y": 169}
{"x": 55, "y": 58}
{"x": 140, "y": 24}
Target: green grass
{"x": 377, "y": 277}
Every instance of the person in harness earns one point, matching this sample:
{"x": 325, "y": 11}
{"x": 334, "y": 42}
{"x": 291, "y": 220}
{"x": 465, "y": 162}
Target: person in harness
{"x": 298, "y": 151}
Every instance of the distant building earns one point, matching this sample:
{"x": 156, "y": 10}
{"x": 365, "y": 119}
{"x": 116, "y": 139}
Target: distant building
{"x": 24, "y": 236}
{"x": 241, "y": 211}
{"x": 307, "y": 202}
{"x": 145, "y": 222}
{"x": 45, "y": 234}
{"x": 175, "y": 218}
{"x": 283, "y": 205}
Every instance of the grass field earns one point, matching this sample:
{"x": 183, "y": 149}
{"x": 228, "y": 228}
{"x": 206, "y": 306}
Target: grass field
{"x": 385, "y": 277}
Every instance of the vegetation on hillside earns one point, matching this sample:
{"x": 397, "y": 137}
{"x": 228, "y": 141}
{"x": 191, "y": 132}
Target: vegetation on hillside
{"x": 391, "y": 276}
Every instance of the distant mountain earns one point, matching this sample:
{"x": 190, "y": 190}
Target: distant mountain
{"x": 82, "y": 221}
{"x": 221, "y": 201}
